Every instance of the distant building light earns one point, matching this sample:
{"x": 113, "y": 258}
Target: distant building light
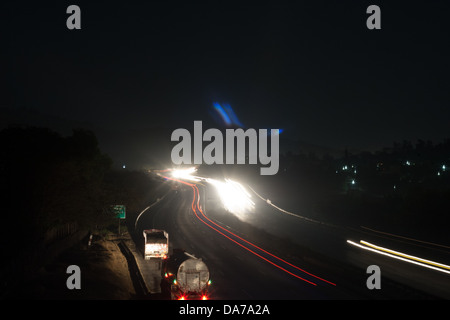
{"x": 443, "y": 167}
{"x": 408, "y": 163}
{"x": 123, "y": 167}
{"x": 353, "y": 181}
{"x": 439, "y": 173}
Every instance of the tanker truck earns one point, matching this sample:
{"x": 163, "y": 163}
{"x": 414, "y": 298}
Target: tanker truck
{"x": 156, "y": 244}
{"x": 186, "y": 277}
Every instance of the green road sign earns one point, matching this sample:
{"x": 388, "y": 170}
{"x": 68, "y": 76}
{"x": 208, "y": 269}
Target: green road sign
{"x": 119, "y": 210}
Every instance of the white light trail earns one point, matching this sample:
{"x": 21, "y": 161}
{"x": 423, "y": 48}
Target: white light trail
{"x": 185, "y": 174}
{"x": 233, "y": 195}
{"x": 407, "y": 256}
{"x": 401, "y": 256}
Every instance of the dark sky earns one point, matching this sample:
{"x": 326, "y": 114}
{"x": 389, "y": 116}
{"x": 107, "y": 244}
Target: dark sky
{"x": 312, "y": 68}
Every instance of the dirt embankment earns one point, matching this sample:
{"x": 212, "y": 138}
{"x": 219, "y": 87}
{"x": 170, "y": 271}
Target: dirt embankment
{"x": 104, "y": 274}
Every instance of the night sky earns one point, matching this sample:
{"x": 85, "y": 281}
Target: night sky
{"x": 311, "y": 68}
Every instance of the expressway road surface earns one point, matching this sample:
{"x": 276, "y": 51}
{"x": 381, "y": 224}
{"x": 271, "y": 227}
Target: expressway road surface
{"x": 249, "y": 263}
{"x": 236, "y": 273}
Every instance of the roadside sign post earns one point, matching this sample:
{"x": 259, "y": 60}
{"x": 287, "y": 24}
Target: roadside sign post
{"x": 120, "y": 212}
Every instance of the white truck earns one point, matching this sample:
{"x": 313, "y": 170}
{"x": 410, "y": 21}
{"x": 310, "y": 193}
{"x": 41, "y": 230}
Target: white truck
{"x": 156, "y": 244}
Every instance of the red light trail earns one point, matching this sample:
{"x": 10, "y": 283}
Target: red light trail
{"x": 214, "y": 226}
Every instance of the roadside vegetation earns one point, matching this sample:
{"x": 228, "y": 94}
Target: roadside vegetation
{"x": 53, "y": 186}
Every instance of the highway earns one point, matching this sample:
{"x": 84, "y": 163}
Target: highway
{"x": 275, "y": 255}
{"x": 236, "y": 273}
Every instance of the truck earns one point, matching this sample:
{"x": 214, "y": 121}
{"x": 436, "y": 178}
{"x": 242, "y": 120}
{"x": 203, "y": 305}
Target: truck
{"x": 156, "y": 244}
{"x": 187, "y": 277}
